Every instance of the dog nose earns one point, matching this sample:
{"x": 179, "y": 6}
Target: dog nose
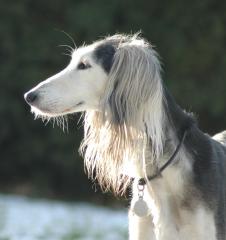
{"x": 30, "y": 97}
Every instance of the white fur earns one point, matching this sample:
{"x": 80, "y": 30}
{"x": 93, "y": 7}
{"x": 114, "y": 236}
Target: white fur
{"x": 136, "y": 145}
{"x": 61, "y": 93}
{"x": 168, "y": 220}
{"x": 220, "y": 137}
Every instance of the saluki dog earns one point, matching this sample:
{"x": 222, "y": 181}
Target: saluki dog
{"x": 137, "y": 137}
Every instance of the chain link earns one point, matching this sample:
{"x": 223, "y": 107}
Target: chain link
{"x": 140, "y": 190}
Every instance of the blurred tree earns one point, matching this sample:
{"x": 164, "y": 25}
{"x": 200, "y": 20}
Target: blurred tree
{"x": 190, "y": 37}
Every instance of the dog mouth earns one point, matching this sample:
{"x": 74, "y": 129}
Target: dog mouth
{"x": 52, "y": 113}
{"x": 79, "y": 104}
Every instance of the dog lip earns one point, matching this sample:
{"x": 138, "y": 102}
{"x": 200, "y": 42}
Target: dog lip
{"x": 46, "y": 111}
{"x": 80, "y": 103}
{"x": 76, "y": 105}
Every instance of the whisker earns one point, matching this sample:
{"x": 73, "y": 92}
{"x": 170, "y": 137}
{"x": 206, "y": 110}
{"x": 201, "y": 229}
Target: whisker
{"x": 66, "y": 54}
{"x": 67, "y": 46}
{"x": 81, "y": 118}
{"x": 70, "y": 37}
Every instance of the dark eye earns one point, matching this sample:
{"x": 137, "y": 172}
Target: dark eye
{"x": 83, "y": 65}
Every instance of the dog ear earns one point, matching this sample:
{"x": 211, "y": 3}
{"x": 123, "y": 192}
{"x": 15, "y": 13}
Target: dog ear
{"x": 104, "y": 53}
{"x": 133, "y": 80}
{"x": 117, "y": 105}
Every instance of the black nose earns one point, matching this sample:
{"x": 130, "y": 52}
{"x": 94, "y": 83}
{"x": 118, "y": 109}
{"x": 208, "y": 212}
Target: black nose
{"x": 31, "y": 97}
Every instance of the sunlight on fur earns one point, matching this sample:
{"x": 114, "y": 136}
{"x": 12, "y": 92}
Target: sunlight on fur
{"x": 135, "y": 134}
{"x": 60, "y": 121}
{"x": 130, "y": 115}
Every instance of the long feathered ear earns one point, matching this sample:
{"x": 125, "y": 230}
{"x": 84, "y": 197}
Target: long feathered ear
{"x": 130, "y": 116}
{"x": 134, "y": 79}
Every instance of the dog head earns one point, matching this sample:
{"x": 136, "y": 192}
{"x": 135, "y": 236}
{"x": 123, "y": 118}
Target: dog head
{"x": 78, "y": 87}
{"x": 107, "y": 74}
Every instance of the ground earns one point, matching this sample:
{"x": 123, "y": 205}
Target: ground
{"x": 28, "y": 219}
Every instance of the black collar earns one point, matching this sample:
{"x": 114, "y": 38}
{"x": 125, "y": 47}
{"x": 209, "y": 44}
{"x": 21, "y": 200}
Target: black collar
{"x": 142, "y": 181}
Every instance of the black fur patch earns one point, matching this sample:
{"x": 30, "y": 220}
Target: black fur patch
{"x": 104, "y": 53}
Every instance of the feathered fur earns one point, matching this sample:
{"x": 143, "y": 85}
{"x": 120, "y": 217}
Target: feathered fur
{"x": 132, "y": 125}
{"x": 130, "y": 115}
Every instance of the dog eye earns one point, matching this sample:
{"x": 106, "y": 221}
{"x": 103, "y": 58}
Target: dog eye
{"x": 83, "y": 66}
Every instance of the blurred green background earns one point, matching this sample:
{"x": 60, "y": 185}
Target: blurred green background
{"x": 43, "y": 161}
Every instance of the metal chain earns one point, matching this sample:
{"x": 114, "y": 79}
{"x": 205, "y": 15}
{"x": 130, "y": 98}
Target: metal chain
{"x": 140, "y": 190}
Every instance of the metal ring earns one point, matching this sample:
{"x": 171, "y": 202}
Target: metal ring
{"x": 140, "y": 194}
{"x": 140, "y": 187}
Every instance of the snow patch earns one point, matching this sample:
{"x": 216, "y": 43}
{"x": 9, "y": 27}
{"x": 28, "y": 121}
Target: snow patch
{"x": 27, "y": 219}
